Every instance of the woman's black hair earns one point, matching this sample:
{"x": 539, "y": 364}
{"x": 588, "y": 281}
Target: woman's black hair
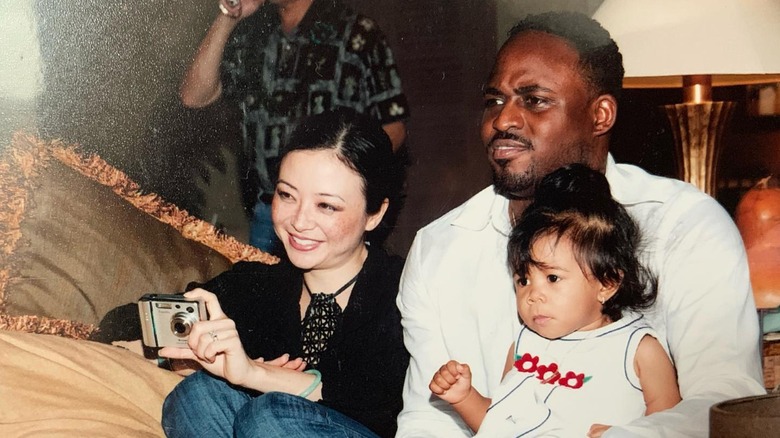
{"x": 362, "y": 145}
{"x": 575, "y": 202}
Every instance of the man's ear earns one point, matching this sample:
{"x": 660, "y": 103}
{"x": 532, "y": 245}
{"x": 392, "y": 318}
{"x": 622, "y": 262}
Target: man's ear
{"x": 604, "y": 114}
{"x": 376, "y": 218}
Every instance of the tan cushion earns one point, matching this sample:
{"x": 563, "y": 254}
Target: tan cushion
{"x": 53, "y": 386}
{"x": 78, "y": 238}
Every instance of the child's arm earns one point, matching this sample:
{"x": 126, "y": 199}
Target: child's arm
{"x": 452, "y": 383}
{"x": 656, "y": 375}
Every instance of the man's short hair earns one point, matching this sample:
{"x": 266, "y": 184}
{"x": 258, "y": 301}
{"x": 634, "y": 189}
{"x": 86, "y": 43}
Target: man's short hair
{"x": 600, "y": 59}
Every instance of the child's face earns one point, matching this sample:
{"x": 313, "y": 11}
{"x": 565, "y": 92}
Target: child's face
{"x": 556, "y": 298}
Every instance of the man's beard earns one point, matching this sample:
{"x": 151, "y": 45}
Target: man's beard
{"x": 508, "y": 184}
{"x": 513, "y": 185}
{"x": 521, "y": 185}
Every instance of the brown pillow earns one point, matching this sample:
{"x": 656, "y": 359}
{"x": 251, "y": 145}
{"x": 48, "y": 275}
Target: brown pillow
{"x": 78, "y": 238}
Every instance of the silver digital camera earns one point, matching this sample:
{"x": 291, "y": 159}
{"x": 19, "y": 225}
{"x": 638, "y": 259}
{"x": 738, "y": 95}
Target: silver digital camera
{"x": 166, "y": 319}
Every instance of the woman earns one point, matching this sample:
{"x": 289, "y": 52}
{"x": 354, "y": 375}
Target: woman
{"x": 331, "y": 304}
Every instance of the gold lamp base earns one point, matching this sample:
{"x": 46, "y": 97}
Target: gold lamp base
{"x": 698, "y": 129}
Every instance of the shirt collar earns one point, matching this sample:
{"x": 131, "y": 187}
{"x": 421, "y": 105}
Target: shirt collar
{"x": 625, "y": 183}
{"x": 486, "y": 208}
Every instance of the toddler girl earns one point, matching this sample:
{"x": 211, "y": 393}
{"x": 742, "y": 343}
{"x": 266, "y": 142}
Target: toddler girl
{"x": 583, "y": 359}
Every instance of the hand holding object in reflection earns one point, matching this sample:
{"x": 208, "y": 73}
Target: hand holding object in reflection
{"x": 239, "y": 9}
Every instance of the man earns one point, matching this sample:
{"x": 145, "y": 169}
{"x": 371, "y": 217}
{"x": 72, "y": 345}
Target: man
{"x": 286, "y": 59}
{"x": 551, "y": 100}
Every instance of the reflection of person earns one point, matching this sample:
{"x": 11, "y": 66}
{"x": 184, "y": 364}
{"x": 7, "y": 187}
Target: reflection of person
{"x": 580, "y": 358}
{"x": 331, "y": 304}
{"x": 284, "y": 59}
{"x": 551, "y": 100}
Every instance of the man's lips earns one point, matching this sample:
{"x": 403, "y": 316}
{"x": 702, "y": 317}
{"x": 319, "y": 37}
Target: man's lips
{"x": 505, "y": 149}
{"x": 504, "y": 145}
{"x": 508, "y": 143}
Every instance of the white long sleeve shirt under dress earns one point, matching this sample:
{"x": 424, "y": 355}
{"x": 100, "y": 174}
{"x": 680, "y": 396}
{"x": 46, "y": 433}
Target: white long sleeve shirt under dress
{"x": 457, "y": 302}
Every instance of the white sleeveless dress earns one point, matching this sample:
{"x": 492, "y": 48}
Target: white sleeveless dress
{"x": 560, "y": 388}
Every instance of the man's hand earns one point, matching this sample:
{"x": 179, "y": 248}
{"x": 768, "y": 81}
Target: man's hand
{"x": 239, "y": 9}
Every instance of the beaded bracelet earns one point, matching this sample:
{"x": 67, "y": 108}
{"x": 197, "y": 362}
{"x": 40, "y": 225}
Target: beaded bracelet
{"x": 317, "y": 379}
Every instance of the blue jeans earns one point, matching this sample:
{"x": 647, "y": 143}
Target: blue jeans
{"x": 261, "y": 229}
{"x": 204, "y": 406}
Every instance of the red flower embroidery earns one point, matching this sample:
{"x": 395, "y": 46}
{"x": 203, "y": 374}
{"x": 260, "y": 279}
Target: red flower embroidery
{"x": 527, "y": 363}
{"x": 572, "y": 380}
{"x": 548, "y": 373}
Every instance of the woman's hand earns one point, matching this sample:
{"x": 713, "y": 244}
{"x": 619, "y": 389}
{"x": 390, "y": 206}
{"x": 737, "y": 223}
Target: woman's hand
{"x": 284, "y": 361}
{"x": 239, "y": 9}
{"x": 215, "y": 345}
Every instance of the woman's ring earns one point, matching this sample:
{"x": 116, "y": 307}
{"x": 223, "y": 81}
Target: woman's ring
{"x": 214, "y": 336}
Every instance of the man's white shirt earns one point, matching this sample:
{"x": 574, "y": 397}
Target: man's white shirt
{"x": 457, "y": 302}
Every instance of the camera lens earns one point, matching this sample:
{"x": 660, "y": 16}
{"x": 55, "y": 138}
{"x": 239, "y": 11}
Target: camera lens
{"x": 181, "y": 324}
{"x": 179, "y": 328}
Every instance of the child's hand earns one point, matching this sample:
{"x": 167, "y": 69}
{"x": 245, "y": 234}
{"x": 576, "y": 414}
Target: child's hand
{"x": 452, "y": 382}
{"x": 597, "y": 430}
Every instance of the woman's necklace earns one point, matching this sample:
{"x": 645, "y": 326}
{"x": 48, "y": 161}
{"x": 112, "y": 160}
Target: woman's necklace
{"x": 320, "y": 322}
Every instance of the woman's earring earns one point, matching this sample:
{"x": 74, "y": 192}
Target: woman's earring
{"x": 601, "y": 300}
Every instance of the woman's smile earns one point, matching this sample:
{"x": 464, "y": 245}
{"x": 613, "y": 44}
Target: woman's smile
{"x": 303, "y": 244}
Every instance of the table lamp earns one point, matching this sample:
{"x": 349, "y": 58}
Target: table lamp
{"x": 696, "y": 45}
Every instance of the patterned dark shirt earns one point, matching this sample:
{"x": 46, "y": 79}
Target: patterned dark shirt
{"x": 334, "y": 58}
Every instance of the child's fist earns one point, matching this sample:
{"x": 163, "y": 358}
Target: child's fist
{"x": 452, "y": 382}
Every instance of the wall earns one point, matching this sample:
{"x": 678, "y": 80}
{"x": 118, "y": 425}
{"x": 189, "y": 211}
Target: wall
{"x": 444, "y": 50}
{"x": 510, "y": 11}
{"x": 105, "y": 75}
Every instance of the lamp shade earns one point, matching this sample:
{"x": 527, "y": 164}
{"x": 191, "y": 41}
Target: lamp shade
{"x": 737, "y": 42}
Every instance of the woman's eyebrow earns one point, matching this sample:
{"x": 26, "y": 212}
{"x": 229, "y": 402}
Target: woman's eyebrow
{"x": 330, "y": 195}
{"x": 281, "y": 181}
{"x": 325, "y": 194}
